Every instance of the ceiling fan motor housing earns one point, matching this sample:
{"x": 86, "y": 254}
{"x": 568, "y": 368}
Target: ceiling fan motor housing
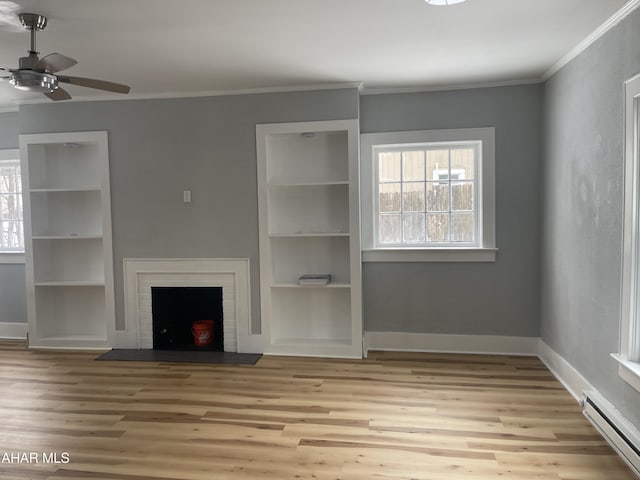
{"x": 33, "y": 21}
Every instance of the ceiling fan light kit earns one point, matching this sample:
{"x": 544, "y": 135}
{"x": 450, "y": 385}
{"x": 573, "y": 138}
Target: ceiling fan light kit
{"x": 36, "y": 74}
{"x": 30, "y": 81}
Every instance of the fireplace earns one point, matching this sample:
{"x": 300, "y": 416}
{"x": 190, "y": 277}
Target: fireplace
{"x": 231, "y": 275}
{"x": 175, "y": 311}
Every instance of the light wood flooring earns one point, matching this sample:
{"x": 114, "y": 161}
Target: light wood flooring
{"x": 391, "y": 416}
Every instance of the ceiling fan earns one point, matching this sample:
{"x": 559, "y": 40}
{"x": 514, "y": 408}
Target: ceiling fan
{"x": 36, "y": 74}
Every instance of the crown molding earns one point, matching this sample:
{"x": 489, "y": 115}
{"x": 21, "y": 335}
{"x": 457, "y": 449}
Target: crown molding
{"x": 611, "y": 22}
{"x": 444, "y": 87}
{"x": 208, "y": 93}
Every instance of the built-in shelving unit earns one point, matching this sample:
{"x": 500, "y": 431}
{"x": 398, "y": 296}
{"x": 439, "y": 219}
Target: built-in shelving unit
{"x": 67, "y": 211}
{"x": 309, "y": 224}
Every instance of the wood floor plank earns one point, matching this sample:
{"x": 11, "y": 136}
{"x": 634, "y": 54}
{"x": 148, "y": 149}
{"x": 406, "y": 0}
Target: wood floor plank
{"x": 394, "y": 415}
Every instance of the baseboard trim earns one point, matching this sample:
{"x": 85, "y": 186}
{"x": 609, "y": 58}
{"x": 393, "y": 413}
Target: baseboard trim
{"x": 13, "y": 331}
{"x": 444, "y": 343}
{"x": 566, "y": 374}
{"x": 250, "y": 344}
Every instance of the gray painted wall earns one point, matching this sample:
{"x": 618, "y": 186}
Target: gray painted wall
{"x": 583, "y": 199}
{"x": 13, "y": 302}
{"x": 9, "y": 129}
{"x": 499, "y": 298}
{"x": 158, "y": 148}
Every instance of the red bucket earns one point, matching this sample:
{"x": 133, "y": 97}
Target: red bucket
{"x": 202, "y": 332}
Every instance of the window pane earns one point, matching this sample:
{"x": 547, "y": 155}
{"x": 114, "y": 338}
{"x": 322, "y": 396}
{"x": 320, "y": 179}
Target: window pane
{"x": 437, "y": 197}
{"x": 462, "y": 196}
{"x": 438, "y": 227}
{"x": 389, "y": 229}
{"x": 9, "y": 179}
{"x": 437, "y": 164}
{"x": 413, "y": 197}
{"x": 413, "y": 165}
{"x": 389, "y": 197}
{"x": 11, "y": 235}
{"x": 463, "y": 163}
{"x": 414, "y": 228}
{"x": 462, "y": 227}
{"x": 10, "y": 207}
{"x": 389, "y": 166}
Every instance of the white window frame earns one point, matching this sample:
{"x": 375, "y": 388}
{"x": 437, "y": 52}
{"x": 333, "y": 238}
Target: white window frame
{"x": 485, "y": 249}
{"x": 628, "y": 356}
{"x": 11, "y": 256}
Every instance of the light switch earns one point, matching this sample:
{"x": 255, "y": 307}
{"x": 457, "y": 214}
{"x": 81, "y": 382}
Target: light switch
{"x": 186, "y": 196}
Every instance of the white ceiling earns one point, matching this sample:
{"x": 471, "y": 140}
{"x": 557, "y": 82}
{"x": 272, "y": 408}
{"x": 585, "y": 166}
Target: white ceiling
{"x": 188, "y": 47}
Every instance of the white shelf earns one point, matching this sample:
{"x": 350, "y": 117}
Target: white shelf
{"x": 280, "y": 183}
{"x": 75, "y": 338}
{"x": 308, "y": 234}
{"x": 68, "y": 240}
{"x": 309, "y": 223}
{"x": 320, "y": 207}
{"x": 64, "y": 260}
{"x": 67, "y": 237}
{"x": 72, "y": 283}
{"x": 66, "y": 212}
{"x": 321, "y": 342}
{"x": 295, "y": 285}
{"x": 68, "y": 165}
{"x": 80, "y": 342}
{"x": 307, "y": 157}
{"x": 58, "y": 190}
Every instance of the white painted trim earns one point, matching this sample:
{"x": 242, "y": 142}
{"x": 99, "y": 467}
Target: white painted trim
{"x": 10, "y": 154}
{"x": 608, "y": 24}
{"x": 446, "y": 87}
{"x": 336, "y": 343}
{"x": 204, "y": 93}
{"x": 566, "y": 374}
{"x": 13, "y": 331}
{"x": 485, "y": 186}
{"x": 250, "y": 343}
{"x": 104, "y": 333}
{"x": 629, "y": 341}
{"x": 430, "y": 255}
{"x": 239, "y": 267}
{"x": 69, "y": 348}
{"x": 628, "y": 371}
{"x": 437, "y": 342}
{"x": 8, "y": 258}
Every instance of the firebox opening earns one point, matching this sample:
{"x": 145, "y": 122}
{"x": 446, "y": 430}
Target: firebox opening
{"x": 175, "y": 309}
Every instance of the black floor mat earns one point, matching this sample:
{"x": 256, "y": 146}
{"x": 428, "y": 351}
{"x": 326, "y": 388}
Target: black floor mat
{"x": 228, "y": 358}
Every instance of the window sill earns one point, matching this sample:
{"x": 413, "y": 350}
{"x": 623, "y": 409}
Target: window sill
{"x": 628, "y": 371}
{"x": 486, "y": 255}
{"x": 11, "y": 257}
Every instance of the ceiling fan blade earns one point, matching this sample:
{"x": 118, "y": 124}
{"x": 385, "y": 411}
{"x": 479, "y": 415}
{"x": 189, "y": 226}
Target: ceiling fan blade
{"x": 58, "y": 94}
{"x": 93, "y": 83}
{"x": 54, "y": 62}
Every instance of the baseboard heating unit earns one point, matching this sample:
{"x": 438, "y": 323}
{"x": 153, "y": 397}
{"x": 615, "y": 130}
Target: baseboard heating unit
{"x": 616, "y": 429}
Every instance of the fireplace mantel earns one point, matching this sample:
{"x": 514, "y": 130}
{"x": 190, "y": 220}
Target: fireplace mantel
{"x": 140, "y": 274}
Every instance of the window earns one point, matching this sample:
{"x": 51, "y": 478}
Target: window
{"x": 11, "y": 222}
{"x": 428, "y": 195}
{"x": 629, "y": 354}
